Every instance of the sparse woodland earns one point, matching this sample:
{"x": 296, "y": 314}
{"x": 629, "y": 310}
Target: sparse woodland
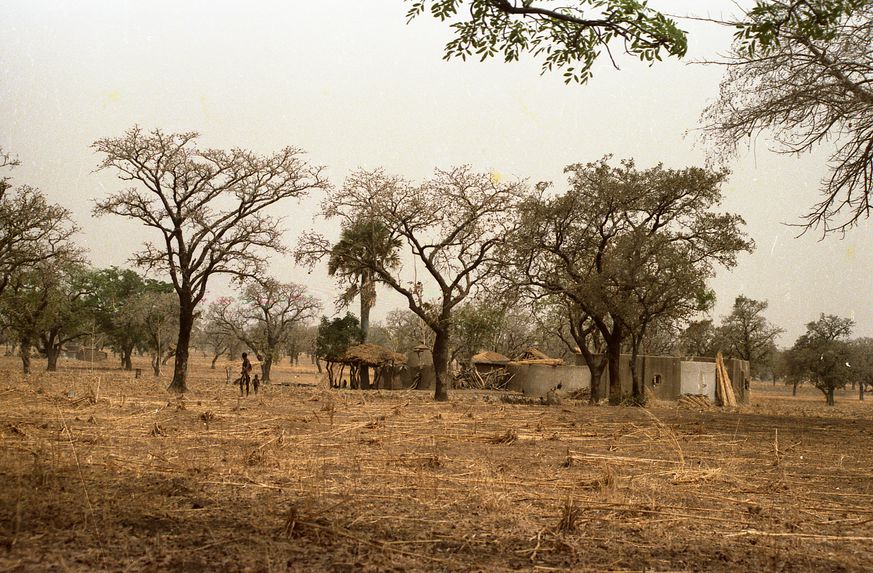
{"x": 123, "y": 447}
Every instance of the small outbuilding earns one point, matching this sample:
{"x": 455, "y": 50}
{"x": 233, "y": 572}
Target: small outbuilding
{"x": 385, "y": 364}
{"x": 489, "y": 370}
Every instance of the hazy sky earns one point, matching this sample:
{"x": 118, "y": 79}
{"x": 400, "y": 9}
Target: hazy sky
{"x": 354, "y": 85}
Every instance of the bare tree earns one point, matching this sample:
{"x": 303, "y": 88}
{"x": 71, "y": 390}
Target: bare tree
{"x": 452, "y": 225}
{"x": 158, "y": 312}
{"x": 6, "y": 160}
{"x": 212, "y": 335}
{"x": 802, "y": 73}
{"x": 208, "y": 208}
{"x": 266, "y": 317}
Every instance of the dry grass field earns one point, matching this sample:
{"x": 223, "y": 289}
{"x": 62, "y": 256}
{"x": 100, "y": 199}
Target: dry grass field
{"x": 104, "y": 472}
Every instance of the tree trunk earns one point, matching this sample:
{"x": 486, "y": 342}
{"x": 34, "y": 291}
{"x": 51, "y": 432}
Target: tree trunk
{"x": 830, "y": 396}
{"x": 266, "y": 368}
{"x": 364, "y": 373}
{"x": 794, "y": 389}
{"x": 613, "y": 359}
{"x": 51, "y": 352}
{"x": 365, "y": 311}
{"x": 318, "y": 364}
{"x": 441, "y": 365}
{"x": 330, "y": 380}
{"x": 180, "y": 369}
{"x": 156, "y": 363}
{"x": 214, "y": 360}
{"x": 596, "y": 365}
{"x": 24, "y": 345}
{"x": 638, "y": 391}
{"x": 861, "y": 391}
{"x": 50, "y": 348}
{"x": 126, "y": 362}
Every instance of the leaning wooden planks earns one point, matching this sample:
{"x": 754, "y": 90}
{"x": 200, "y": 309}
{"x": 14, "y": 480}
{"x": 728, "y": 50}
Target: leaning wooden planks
{"x": 724, "y": 390}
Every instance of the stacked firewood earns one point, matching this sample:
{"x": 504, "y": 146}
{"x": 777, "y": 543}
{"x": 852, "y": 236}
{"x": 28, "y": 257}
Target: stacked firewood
{"x": 496, "y": 379}
{"x": 695, "y": 402}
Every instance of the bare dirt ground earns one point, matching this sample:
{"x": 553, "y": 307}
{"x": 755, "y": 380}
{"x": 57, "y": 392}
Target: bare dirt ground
{"x": 104, "y": 472}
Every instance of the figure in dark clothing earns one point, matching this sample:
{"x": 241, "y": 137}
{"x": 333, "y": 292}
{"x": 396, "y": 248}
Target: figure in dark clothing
{"x": 256, "y": 382}
{"x": 245, "y": 375}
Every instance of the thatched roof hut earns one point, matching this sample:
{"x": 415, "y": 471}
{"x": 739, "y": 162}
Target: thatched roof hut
{"x": 372, "y": 355}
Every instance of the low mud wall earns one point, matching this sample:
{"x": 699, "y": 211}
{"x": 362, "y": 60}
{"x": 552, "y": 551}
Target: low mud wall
{"x": 538, "y": 379}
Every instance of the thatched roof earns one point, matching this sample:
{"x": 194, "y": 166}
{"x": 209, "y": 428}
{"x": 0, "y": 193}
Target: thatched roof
{"x": 488, "y": 357}
{"x": 536, "y": 356}
{"x": 371, "y": 355}
{"x": 532, "y": 353}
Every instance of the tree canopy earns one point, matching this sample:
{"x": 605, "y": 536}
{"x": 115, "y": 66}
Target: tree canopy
{"x": 745, "y": 333}
{"x": 452, "y": 225}
{"x": 622, "y": 249}
{"x": 265, "y": 317}
{"x": 568, "y": 38}
{"x": 823, "y": 356}
{"x": 208, "y": 208}
{"x": 32, "y": 230}
{"x": 44, "y": 308}
{"x": 114, "y": 302}
{"x": 362, "y": 240}
{"x": 336, "y": 335}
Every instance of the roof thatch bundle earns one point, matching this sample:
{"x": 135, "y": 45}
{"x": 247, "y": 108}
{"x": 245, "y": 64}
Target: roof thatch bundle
{"x": 532, "y": 353}
{"x": 371, "y": 355}
{"x": 488, "y": 357}
{"x": 536, "y": 356}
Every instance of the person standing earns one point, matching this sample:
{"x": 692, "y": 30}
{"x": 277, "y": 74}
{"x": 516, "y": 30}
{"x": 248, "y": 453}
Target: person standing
{"x": 245, "y": 375}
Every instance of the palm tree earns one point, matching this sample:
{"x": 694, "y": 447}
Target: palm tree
{"x": 362, "y": 244}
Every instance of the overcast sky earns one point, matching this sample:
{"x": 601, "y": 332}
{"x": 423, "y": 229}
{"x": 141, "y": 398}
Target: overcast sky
{"x": 354, "y": 85}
